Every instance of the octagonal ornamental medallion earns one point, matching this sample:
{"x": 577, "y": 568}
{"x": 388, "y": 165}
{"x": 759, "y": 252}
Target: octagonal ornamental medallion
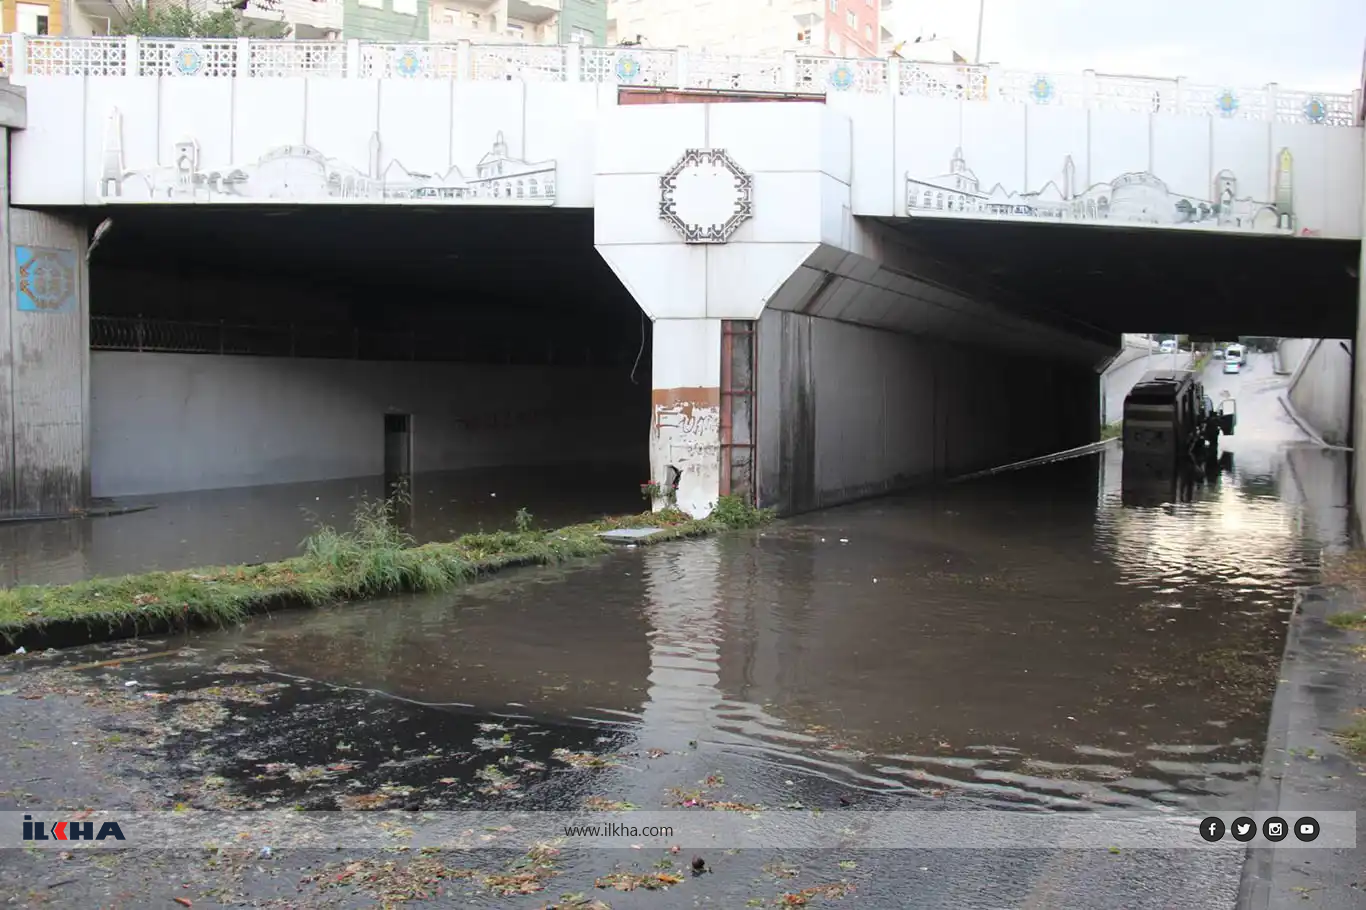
{"x": 706, "y": 196}
{"x": 45, "y": 280}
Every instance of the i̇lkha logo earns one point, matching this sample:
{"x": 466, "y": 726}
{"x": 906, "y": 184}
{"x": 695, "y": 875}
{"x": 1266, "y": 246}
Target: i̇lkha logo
{"x": 71, "y": 830}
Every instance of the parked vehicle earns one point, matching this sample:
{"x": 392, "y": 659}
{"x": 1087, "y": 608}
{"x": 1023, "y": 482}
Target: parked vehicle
{"x": 1169, "y": 422}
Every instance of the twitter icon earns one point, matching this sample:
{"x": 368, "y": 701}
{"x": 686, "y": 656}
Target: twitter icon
{"x": 1243, "y": 829}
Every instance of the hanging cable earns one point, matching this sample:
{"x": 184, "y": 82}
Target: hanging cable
{"x": 641, "y": 352}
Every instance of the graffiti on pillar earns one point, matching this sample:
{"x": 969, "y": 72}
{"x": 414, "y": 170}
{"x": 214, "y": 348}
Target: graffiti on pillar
{"x": 686, "y": 435}
{"x": 692, "y": 430}
{"x": 301, "y": 173}
{"x": 45, "y": 279}
{"x": 1138, "y": 197}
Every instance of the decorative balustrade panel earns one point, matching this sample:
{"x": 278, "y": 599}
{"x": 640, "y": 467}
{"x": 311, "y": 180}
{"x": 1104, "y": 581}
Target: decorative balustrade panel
{"x": 44, "y": 56}
{"x": 187, "y": 57}
{"x": 527, "y": 62}
{"x": 957, "y": 83}
{"x": 750, "y": 74}
{"x": 1135, "y": 95}
{"x": 410, "y": 61}
{"x": 64, "y": 57}
{"x": 836, "y": 74}
{"x": 298, "y": 58}
{"x": 628, "y": 66}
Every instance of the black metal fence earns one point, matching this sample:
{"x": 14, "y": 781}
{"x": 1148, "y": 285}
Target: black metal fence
{"x": 135, "y": 333}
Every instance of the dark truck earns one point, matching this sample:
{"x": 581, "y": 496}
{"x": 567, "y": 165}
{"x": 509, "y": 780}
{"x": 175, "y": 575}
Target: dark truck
{"x": 1170, "y": 425}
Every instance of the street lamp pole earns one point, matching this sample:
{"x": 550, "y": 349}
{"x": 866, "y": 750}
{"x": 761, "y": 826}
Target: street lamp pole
{"x": 981, "y": 14}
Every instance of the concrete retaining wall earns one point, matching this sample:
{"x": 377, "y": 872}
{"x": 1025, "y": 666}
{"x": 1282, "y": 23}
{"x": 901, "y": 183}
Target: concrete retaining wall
{"x": 847, "y": 411}
{"x": 1359, "y": 400}
{"x": 172, "y": 422}
{"x": 1321, "y": 389}
{"x": 1290, "y": 354}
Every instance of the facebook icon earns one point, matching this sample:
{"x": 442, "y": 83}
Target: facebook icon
{"x": 1212, "y": 829}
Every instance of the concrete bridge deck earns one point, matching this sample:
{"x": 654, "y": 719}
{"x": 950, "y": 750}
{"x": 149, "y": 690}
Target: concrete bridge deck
{"x": 913, "y": 272}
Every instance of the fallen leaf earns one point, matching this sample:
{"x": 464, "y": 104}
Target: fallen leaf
{"x": 183, "y": 901}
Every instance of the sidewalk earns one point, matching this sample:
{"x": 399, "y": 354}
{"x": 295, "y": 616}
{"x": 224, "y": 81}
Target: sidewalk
{"x": 1306, "y": 768}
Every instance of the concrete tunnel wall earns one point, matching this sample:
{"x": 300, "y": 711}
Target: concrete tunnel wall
{"x": 848, "y": 411}
{"x": 172, "y": 422}
{"x": 1321, "y": 389}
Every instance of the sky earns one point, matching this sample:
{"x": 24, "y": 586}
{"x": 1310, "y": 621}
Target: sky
{"x": 1306, "y": 44}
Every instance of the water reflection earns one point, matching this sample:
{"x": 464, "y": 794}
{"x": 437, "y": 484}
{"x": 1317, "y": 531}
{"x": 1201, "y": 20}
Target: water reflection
{"x": 259, "y": 524}
{"x": 1023, "y": 638}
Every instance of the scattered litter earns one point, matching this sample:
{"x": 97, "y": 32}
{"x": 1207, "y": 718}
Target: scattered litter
{"x": 844, "y": 540}
{"x": 20, "y": 650}
{"x": 130, "y": 684}
{"x": 630, "y": 881}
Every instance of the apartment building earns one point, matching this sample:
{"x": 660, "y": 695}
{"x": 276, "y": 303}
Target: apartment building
{"x": 532, "y": 21}
{"x": 844, "y": 28}
{"x": 34, "y": 17}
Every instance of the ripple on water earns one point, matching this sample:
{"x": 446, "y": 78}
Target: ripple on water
{"x": 1022, "y": 641}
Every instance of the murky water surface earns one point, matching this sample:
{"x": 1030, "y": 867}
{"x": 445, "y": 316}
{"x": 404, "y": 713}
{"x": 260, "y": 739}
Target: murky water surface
{"x": 1025, "y": 640}
{"x": 260, "y": 524}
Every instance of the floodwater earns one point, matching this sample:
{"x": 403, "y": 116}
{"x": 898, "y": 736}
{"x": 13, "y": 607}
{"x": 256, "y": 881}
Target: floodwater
{"x": 265, "y": 523}
{"x": 1026, "y": 640}
{"x": 1026, "y": 637}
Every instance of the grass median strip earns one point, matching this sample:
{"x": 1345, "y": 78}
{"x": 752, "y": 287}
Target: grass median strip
{"x": 372, "y": 558}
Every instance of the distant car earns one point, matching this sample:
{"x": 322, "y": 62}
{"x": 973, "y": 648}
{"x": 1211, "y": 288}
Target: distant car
{"x": 1217, "y": 353}
{"x": 1168, "y": 346}
{"x": 1232, "y": 366}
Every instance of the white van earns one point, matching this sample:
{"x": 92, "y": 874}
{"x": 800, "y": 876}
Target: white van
{"x": 1234, "y": 353}
{"x": 1168, "y": 346}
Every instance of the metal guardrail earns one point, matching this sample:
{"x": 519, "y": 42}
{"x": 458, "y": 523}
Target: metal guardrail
{"x": 681, "y": 68}
{"x": 131, "y": 333}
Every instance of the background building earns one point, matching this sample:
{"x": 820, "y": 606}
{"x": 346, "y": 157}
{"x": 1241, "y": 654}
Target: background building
{"x": 846, "y": 28}
{"x": 921, "y": 30}
{"x": 532, "y": 21}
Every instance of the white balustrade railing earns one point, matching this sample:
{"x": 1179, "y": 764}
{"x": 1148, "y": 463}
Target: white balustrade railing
{"x": 24, "y": 56}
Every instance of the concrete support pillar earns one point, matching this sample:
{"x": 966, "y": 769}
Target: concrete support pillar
{"x": 44, "y": 355}
{"x": 1358, "y": 475}
{"x": 685, "y": 426}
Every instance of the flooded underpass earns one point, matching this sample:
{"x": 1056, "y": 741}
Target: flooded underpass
{"x": 245, "y": 525}
{"x": 1024, "y": 641}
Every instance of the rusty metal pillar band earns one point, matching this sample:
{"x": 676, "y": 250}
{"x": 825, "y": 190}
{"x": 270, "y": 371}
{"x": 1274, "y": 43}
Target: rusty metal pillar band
{"x": 738, "y": 343}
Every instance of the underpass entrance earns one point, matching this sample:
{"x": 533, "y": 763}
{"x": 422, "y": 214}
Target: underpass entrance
{"x": 247, "y": 363}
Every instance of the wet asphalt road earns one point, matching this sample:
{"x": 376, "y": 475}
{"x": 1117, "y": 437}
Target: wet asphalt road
{"x": 1023, "y": 641}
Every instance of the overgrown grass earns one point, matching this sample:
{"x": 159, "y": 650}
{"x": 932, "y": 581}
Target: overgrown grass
{"x": 371, "y": 558}
{"x": 1354, "y": 620}
{"x": 1112, "y": 430}
{"x": 1354, "y": 736}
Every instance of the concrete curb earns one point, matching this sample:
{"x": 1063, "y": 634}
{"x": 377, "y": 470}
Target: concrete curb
{"x": 1305, "y": 768}
{"x": 1294, "y": 415}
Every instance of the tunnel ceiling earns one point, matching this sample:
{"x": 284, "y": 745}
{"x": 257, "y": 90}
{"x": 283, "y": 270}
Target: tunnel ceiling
{"x": 1114, "y": 279}
{"x": 1140, "y": 280}
{"x": 541, "y": 257}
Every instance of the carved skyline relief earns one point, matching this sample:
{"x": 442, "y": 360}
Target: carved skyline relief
{"x": 1137, "y": 197}
{"x": 301, "y": 173}
{"x": 706, "y": 196}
